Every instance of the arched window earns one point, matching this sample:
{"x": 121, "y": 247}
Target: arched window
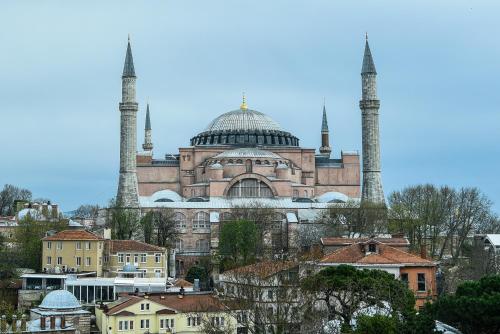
{"x": 250, "y": 188}
{"x": 201, "y": 220}
{"x": 180, "y": 220}
{"x": 202, "y": 245}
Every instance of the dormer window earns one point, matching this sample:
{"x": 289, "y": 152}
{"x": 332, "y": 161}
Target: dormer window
{"x": 372, "y": 248}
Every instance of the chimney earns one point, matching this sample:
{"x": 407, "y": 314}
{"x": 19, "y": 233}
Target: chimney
{"x": 42, "y": 323}
{"x": 14, "y": 323}
{"x": 63, "y": 322}
{"x": 3, "y": 324}
{"x": 181, "y": 292}
{"x": 52, "y": 322}
{"x": 23, "y": 323}
{"x": 423, "y": 251}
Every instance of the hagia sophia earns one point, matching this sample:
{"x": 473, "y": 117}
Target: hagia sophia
{"x": 245, "y": 157}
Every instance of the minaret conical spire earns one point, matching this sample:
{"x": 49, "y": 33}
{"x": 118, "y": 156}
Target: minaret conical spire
{"x": 324, "y": 124}
{"x": 368, "y": 64}
{"x": 148, "y": 120}
{"x": 325, "y": 148}
{"x": 128, "y": 67}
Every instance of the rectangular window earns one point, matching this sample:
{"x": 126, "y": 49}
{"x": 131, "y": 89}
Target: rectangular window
{"x": 106, "y": 258}
{"x": 161, "y": 324}
{"x": 78, "y": 261}
{"x": 78, "y": 245}
{"x": 127, "y": 258}
{"x": 404, "y": 279}
{"x": 136, "y": 258}
{"x": 88, "y": 261}
{"x": 88, "y": 245}
{"x": 120, "y": 258}
{"x": 59, "y": 260}
{"x": 157, "y": 258}
{"x": 143, "y": 258}
{"x": 172, "y": 323}
{"x": 49, "y": 259}
{"x": 131, "y": 326}
{"x": 49, "y": 244}
{"x": 145, "y": 307}
{"x": 120, "y": 325}
{"x": 144, "y": 323}
{"x": 270, "y": 294}
{"x": 421, "y": 282}
{"x": 59, "y": 245}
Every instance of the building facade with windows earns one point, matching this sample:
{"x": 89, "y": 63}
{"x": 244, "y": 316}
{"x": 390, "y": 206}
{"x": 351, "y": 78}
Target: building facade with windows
{"x": 165, "y": 313}
{"x": 73, "y": 251}
{"x": 146, "y": 260}
{"x": 417, "y": 273}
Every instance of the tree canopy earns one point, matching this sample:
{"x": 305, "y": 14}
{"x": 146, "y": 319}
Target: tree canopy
{"x": 238, "y": 243}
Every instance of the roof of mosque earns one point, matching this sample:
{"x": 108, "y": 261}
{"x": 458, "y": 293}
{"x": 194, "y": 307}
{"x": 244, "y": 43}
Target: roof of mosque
{"x": 243, "y": 120}
{"x": 60, "y": 300}
{"x": 247, "y": 152}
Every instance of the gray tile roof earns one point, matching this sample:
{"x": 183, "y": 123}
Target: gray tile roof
{"x": 247, "y": 152}
{"x": 368, "y": 64}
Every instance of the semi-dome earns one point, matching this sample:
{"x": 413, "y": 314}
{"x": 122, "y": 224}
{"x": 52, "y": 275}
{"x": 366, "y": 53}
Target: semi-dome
{"x": 60, "y": 300}
{"x": 244, "y": 127}
{"x": 247, "y": 152}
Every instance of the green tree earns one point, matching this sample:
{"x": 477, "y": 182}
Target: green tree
{"x": 376, "y": 324}
{"x": 238, "y": 243}
{"x": 124, "y": 223}
{"x": 474, "y": 308}
{"x": 28, "y": 237}
{"x": 345, "y": 290}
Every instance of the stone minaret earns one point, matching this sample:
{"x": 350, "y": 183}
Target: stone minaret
{"x": 127, "y": 196}
{"x": 369, "y": 104}
{"x": 148, "y": 144}
{"x": 325, "y": 148}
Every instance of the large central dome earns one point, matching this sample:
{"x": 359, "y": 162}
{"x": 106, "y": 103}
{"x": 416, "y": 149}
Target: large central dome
{"x": 244, "y": 127}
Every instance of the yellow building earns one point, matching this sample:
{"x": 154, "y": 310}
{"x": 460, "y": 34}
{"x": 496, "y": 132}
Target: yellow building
{"x": 73, "y": 251}
{"x": 145, "y": 259}
{"x": 166, "y": 313}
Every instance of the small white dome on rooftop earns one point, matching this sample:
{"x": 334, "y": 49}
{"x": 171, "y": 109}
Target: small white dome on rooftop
{"x": 60, "y": 300}
{"x": 332, "y": 197}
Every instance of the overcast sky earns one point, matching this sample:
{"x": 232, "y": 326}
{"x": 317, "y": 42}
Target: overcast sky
{"x": 438, "y": 69}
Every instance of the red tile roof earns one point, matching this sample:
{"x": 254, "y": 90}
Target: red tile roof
{"x": 116, "y": 246}
{"x": 182, "y": 283}
{"x": 349, "y": 241}
{"x": 73, "y": 235}
{"x": 385, "y": 255}
{"x": 263, "y": 269}
{"x": 188, "y": 303}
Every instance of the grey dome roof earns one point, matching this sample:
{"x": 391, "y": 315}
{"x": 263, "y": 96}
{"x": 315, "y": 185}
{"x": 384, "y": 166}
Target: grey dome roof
{"x": 243, "y": 120}
{"x": 245, "y": 127}
{"x": 60, "y": 300}
{"x": 247, "y": 152}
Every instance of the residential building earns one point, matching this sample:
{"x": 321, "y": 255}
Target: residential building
{"x": 146, "y": 260}
{"x": 73, "y": 251}
{"x": 165, "y": 313}
{"x": 418, "y": 273}
{"x": 268, "y": 290}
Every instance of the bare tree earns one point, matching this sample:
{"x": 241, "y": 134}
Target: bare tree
{"x": 9, "y": 195}
{"x": 88, "y": 211}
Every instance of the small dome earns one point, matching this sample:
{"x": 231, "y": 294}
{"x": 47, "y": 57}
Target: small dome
{"x": 216, "y": 166}
{"x": 332, "y": 197}
{"x": 166, "y": 196}
{"x": 128, "y": 268}
{"x": 60, "y": 300}
{"x": 282, "y": 166}
{"x": 243, "y": 120}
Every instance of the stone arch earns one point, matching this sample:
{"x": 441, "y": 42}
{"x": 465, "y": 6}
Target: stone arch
{"x": 259, "y": 177}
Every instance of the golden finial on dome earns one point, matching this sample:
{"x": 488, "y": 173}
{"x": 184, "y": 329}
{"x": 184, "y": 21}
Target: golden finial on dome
{"x": 244, "y": 103}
